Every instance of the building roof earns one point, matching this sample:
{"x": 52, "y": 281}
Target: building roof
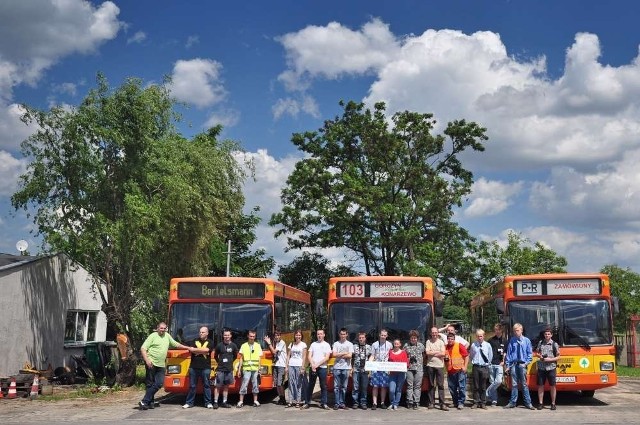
{"x": 8, "y": 261}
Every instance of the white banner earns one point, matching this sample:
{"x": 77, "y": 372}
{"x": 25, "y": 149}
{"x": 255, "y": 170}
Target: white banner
{"x": 372, "y": 366}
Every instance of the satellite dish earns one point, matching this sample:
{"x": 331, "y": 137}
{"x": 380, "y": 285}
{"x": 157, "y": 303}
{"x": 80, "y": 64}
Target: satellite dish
{"x": 22, "y": 245}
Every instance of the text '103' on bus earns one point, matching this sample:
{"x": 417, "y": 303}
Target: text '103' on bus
{"x": 368, "y": 304}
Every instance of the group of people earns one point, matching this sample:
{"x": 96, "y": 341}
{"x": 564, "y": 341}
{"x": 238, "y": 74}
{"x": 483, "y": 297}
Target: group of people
{"x": 441, "y": 353}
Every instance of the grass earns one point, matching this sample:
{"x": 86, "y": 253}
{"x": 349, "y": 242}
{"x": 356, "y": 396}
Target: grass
{"x": 626, "y": 371}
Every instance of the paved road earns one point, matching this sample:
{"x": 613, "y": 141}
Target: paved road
{"x": 620, "y": 404}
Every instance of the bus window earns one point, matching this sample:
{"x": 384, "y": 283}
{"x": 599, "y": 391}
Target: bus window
{"x": 241, "y": 318}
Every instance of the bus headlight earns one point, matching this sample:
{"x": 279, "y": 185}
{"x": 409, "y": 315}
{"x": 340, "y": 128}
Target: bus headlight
{"x": 173, "y": 369}
{"x": 606, "y": 365}
{"x": 264, "y": 370}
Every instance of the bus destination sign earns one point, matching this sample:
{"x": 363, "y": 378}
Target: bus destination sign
{"x": 558, "y": 287}
{"x": 380, "y": 289}
{"x": 221, "y": 290}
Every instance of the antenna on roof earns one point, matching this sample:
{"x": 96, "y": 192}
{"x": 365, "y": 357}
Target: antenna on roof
{"x": 22, "y": 246}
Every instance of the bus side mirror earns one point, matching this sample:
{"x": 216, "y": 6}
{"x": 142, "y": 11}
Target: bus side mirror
{"x": 616, "y": 304}
{"x": 319, "y": 307}
{"x": 438, "y": 307}
{"x": 500, "y": 305}
{"x": 278, "y": 307}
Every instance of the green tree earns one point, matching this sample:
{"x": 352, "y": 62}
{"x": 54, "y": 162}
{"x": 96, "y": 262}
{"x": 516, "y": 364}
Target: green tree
{"x": 625, "y": 284}
{"x": 520, "y": 256}
{"x": 384, "y": 191}
{"x": 311, "y": 273}
{"x": 244, "y": 262}
{"x": 112, "y": 185}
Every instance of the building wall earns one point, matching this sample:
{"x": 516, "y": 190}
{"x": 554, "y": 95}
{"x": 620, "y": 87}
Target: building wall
{"x": 34, "y": 300}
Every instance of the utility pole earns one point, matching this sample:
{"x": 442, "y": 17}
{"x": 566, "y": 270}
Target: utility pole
{"x": 229, "y": 252}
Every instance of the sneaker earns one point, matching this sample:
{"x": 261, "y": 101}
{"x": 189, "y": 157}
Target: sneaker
{"x": 473, "y": 406}
{"x": 153, "y": 405}
{"x": 355, "y": 406}
{"x": 483, "y": 406}
{"x": 215, "y": 405}
{"x": 363, "y": 406}
{"x": 142, "y": 406}
{"x": 540, "y": 407}
{"x": 239, "y": 405}
{"x": 509, "y": 406}
{"x": 382, "y": 406}
{"x": 256, "y": 404}
{"x": 460, "y": 406}
{"x": 415, "y": 406}
{"x": 530, "y": 407}
{"x": 187, "y": 406}
{"x": 305, "y": 406}
{"x": 343, "y": 407}
{"x": 444, "y": 407}
{"x": 336, "y": 407}
{"x": 210, "y": 406}
{"x": 494, "y": 403}
{"x": 224, "y": 405}
{"x": 324, "y": 406}
{"x": 373, "y": 406}
{"x": 553, "y": 407}
{"x": 431, "y": 406}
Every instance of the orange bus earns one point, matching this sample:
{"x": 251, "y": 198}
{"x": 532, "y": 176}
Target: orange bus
{"x": 370, "y": 303}
{"x": 238, "y": 304}
{"x": 579, "y": 309}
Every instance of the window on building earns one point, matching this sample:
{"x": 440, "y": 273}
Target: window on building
{"x": 80, "y": 326}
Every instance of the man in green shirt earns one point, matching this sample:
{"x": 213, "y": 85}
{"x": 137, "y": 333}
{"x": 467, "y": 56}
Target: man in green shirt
{"x": 154, "y": 353}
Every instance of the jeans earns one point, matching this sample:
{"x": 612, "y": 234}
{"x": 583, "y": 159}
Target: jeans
{"x": 295, "y": 384}
{"x": 360, "y": 384}
{"x": 495, "y": 379}
{"x": 194, "y": 375}
{"x": 457, "y": 387}
{"x": 396, "y": 381}
{"x": 519, "y": 376}
{"x": 340, "y": 381}
{"x": 321, "y": 373}
{"x": 249, "y": 375}
{"x": 154, "y": 379}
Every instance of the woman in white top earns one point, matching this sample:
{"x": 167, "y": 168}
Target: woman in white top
{"x": 296, "y": 365}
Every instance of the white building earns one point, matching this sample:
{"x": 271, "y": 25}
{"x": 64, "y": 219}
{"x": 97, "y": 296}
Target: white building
{"x": 49, "y": 310}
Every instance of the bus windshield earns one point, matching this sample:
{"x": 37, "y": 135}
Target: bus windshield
{"x": 574, "y": 322}
{"x": 186, "y": 319}
{"x": 397, "y": 318}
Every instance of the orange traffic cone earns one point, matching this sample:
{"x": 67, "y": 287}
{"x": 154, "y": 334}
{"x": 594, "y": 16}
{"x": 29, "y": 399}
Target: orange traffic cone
{"x": 34, "y": 387}
{"x": 12, "y": 389}
{"x": 1, "y": 395}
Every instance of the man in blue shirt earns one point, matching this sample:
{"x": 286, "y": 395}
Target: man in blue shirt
{"x": 518, "y": 358}
{"x": 481, "y": 355}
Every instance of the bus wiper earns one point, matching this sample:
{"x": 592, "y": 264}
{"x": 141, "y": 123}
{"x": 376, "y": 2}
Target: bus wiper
{"x": 579, "y": 338}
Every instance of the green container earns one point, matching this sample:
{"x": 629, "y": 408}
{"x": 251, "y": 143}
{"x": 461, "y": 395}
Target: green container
{"x": 93, "y": 356}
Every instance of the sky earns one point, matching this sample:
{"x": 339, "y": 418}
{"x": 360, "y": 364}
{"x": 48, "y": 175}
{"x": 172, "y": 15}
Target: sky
{"x": 556, "y": 84}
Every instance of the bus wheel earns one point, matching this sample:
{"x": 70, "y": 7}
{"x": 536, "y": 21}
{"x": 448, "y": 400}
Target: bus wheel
{"x": 587, "y": 393}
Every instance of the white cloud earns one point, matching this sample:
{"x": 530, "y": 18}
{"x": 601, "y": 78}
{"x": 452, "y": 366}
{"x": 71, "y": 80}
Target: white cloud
{"x": 335, "y": 50}
{"x": 293, "y": 107}
{"x": 227, "y": 117}
{"x": 10, "y": 169}
{"x": 192, "y": 40}
{"x": 138, "y": 37}
{"x": 491, "y": 197}
{"x": 36, "y": 34}
{"x": 197, "y": 82}
{"x": 12, "y": 130}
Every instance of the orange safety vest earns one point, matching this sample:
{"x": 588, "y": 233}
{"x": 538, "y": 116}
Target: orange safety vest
{"x": 456, "y": 361}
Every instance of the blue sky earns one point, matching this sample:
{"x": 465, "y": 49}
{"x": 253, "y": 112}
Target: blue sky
{"x": 556, "y": 83}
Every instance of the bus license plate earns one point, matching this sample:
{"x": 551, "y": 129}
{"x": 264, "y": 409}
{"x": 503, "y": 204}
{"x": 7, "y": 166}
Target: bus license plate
{"x": 566, "y": 379}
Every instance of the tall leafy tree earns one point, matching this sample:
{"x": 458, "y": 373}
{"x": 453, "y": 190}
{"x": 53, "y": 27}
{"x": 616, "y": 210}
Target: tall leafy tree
{"x": 384, "y": 190}
{"x": 116, "y": 188}
{"x": 625, "y": 284}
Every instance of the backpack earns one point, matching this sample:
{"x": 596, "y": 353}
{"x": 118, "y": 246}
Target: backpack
{"x": 554, "y": 347}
